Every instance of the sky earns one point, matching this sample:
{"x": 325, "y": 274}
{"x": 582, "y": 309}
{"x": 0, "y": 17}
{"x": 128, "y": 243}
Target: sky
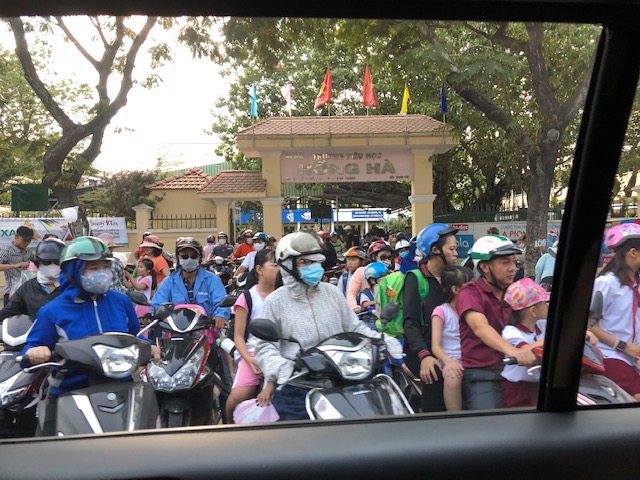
{"x": 167, "y": 121}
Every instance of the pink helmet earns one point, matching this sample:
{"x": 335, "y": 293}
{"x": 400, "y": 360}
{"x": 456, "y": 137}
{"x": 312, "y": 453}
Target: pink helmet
{"x": 617, "y": 235}
{"x": 525, "y": 293}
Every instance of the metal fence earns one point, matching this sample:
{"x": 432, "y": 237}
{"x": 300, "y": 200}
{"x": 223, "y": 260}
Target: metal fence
{"x": 182, "y": 222}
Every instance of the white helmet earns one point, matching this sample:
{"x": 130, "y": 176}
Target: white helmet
{"x": 218, "y": 259}
{"x": 297, "y": 244}
{"x": 491, "y": 246}
{"x": 402, "y": 244}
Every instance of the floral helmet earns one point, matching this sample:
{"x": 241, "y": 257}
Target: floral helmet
{"x": 619, "y": 234}
{"x": 525, "y": 293}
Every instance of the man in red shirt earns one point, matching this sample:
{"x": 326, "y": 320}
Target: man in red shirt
{"x": 482, "y": 318}
{"x": 245, "y": 247}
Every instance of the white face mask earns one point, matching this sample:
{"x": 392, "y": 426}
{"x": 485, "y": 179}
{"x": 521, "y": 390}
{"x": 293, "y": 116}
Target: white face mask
{"x": 249, "y": 241}
{"x": 50, "y": 271}
{"x": 259, "y": 246}
{"x": 222, "y": 241}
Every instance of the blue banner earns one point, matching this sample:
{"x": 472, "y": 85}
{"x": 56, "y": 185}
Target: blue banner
{"x": 365, "y": 214}
{"x": 465, "y": 242}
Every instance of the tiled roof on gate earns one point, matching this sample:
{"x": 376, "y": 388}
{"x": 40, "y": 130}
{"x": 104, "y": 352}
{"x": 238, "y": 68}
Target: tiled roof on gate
{"x": 192, "y": 179}
{"x": 374, "y": 124}
{"x": 236, "y": 181}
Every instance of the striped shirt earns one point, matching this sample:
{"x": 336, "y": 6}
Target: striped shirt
{"x": 12, "y": 255}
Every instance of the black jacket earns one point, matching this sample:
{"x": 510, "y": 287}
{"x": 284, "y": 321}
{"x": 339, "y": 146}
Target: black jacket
{"x": 27, "y": 300}
{"x": 418, "y": 335}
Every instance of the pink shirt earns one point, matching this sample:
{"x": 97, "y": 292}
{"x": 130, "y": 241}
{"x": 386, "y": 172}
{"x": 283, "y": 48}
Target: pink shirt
{"x": 356, "y": 286}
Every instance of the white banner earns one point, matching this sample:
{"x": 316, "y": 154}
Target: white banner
{"x": 116, "y": 226}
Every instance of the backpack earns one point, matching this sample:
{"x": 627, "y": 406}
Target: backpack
{"x": 230, "y": 329}
{"x": 391, "y": 291}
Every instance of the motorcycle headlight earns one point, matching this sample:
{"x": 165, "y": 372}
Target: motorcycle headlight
{"x": 183, "y": 379}
{"x": 353, "y": 364}
{"x": 7, "y": 395}
{"x": 117, "y": 362}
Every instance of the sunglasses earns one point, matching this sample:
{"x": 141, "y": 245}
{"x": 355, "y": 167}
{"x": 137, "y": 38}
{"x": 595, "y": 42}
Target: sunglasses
{"x": 49, "y": 262}
{"x": 186, "y": 256}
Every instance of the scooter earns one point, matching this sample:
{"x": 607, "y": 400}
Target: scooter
{"x": 185, "y": 380}
{"x": 350, "y": 361}
{"x": 18, "y": 389}
{"x": 108, "y": 404}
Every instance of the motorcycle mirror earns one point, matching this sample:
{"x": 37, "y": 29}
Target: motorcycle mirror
{"x": 264, "y": 329}
{"x": 163, "y": 311}
{"x": 228, "y": 301}
{"x": 138, "y": 298}
{"x": 596, "y": 308}
{"x": 390, "y": 311}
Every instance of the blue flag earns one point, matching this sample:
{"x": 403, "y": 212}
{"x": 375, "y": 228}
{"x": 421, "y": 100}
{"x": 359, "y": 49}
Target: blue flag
{"x": 254, "y": 102}
{"x": 443, "y": 100}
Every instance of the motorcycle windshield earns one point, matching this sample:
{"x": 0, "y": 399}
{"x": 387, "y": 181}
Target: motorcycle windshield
{"x": 592, "y": 358}
{"x": 186, "y": 319}
{"x": 176, "y": 351}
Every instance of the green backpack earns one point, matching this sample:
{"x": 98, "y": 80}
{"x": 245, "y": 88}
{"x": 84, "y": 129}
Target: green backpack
{"x": 390, "y": 290}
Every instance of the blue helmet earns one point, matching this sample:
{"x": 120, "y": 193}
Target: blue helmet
{"x": 261, "y": 235}
{"x": 375, "y": 270}
{"x": 430, "y": 235}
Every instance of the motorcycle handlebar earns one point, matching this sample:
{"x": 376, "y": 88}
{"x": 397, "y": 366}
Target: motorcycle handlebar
{"x": 510, "y": 361}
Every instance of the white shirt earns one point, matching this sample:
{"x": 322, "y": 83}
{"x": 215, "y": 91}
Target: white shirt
{"x": 617, "y": 302}
{"x": 450, "y": 330}
{"x": 257, "y": 301}
{"x": 249, "y": 261}
{"x": 519, "y": 335}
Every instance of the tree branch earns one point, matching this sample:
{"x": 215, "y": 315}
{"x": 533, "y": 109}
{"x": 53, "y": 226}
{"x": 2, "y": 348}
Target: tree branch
{"x": 570, "y": 108}
{"x": 96, "y": 24}
{"x": 75, "y": 42}
{"x": 30, "y": 74}
{"x": 500, "y": 37}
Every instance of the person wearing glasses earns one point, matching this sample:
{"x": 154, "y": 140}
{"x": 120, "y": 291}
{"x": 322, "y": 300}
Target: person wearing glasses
{"x": 308, "y": 310}
{"x": 190, "y": 283}
{"x": 35, "y": 293}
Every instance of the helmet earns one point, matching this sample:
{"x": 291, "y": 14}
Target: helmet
{"x": 334, "y": 233}
{"x": 324, "y": 234}
{"x": 297, "y": 244}
{"x": 261, "y": 235}
{"x": 247, "y": 234}
{"x": 619, "y": 234}
{"x": 49, "y": 250}
{"x": 402, "y": 244}
{"x": 356, "y": 252}
{"x": 431, "y": 234}
{"x": 491, "y": 246}
{"x": 347, "y": 227}
{"x": 525, "y": 293}
{"x": 375, "y": 270}
{"x": 211, "y": 239}
{"x": 188, "y": 242}
{"x": 85, "y": 248}
{"x": 378, "y": 246}
{"x": 222, "y": 234}
{"x": 218, "y": 259}
{"x": 146, "y": 234}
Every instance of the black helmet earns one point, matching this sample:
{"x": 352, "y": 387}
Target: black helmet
{"x": 49, "y": 250}
{"x": 188, "y": 242}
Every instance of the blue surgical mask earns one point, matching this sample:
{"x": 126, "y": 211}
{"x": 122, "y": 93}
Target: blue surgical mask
{"x": 190, "y": 264}
{"x": 97, "y": 282}
{"x": 404, "y": 254}
{"x": 312, "y": 274}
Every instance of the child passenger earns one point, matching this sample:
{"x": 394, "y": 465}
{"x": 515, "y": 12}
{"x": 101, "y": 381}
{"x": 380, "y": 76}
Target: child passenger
{"x": 529, "y": 304}
{"x": 445, "y": 334}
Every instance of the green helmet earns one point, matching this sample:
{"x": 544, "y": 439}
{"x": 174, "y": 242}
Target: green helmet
{"x": 85, "y": 248}
{"x": 491, "y": 246}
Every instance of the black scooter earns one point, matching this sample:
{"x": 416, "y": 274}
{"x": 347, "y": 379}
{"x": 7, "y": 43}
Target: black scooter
{"x": 19, "y": 390}
{"x": 109, "y": 403}
{"x": 350, "y": 361}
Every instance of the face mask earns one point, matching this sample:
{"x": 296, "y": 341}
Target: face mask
{"x": 259, "y": 246}
{"x": 190, "y": 264}
{"x": 96, "y": 281}
{"x": 312, "y": 274}
{"x": 249, "y": 241}
{"x": 404, "y": 254}
{"x": 50, "y": 271}
{"x": 386, "y": 263}
{"x": 222, "y": 241}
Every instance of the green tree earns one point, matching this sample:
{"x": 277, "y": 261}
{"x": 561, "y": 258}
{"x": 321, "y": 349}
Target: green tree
{"x": 515, "y": 91}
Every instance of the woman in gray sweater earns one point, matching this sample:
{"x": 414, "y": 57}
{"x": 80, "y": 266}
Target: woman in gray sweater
{"x": 309, "y": 311}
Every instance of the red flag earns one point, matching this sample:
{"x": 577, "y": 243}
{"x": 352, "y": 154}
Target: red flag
{"x": 325, "y": 91}
{"x": 368, "y": 93}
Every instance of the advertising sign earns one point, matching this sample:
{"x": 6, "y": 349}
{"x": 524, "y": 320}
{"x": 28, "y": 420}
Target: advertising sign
{"x": 300, "y": 215}
{"x": 367, "y": 214}
{"x": 334, "y": 164}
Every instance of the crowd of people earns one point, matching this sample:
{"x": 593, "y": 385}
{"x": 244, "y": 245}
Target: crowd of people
{"x": 458, "y": 322}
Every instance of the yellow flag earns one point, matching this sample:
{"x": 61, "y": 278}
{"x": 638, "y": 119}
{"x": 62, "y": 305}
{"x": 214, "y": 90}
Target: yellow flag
{"x": 405, "y": 100}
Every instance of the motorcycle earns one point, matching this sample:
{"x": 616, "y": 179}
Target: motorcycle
{"x": 108, "y": 404}
{"x": 350, "y": 361}
{"x": 186, "y": 383}
{"x": 19, "y": 390}
{"x": 222, "y": 268}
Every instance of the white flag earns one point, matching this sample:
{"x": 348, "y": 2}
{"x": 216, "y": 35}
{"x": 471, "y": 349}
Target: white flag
{"x": 287, "y": 93}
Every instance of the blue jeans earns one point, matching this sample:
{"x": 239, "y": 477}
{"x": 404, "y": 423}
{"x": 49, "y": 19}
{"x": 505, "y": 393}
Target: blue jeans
{"x": 289, "y": 402}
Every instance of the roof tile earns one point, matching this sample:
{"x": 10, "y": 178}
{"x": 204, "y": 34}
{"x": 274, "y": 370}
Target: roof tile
{"x": 236, "y": 181}
{"x": 192, "y": 179}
